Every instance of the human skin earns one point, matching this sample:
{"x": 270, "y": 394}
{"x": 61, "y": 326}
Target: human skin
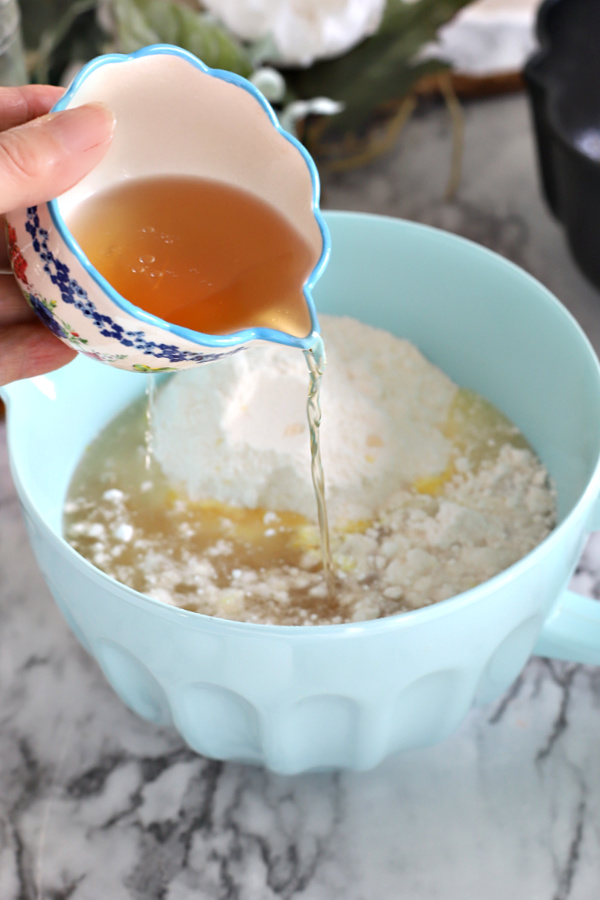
{"x": 42, "y": 154}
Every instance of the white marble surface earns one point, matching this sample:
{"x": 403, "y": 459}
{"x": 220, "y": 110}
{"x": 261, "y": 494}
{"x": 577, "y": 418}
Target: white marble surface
{"x": 98, "y": 805}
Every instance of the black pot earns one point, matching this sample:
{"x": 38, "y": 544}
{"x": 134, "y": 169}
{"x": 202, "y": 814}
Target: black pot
{"x": 563, "y": 82}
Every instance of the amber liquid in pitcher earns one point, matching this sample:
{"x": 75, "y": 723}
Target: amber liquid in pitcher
{"x": 200, "y": 253}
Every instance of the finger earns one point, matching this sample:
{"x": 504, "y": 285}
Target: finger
{"x": 13, "y": 306}
{"x": 44, "y": 157}
{"x": 30, "y": 349}
{"x": 20, "y": 104}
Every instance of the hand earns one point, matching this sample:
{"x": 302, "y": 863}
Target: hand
{"x": 41, "y": 155}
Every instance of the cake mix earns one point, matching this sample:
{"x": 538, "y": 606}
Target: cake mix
{"x": 430, "y": 489}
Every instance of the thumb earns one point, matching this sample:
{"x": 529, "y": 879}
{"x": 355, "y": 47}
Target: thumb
{"x": 44, "y": 157}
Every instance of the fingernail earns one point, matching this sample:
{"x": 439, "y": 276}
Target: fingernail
{"x": 83, "y": 127}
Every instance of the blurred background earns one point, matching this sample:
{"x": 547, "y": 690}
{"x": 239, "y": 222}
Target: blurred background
{"x": 345, "y": 73}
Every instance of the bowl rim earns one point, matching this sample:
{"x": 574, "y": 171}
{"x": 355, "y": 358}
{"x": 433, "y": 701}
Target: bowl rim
{"x": 196, "y": 337}
{"x": 588, "y": 499}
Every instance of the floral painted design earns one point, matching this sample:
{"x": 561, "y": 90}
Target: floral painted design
{"x": 44, "y": 309}
{"x": 73, "y": 294}
{"x": 17, "y": 260}
{"x": 152, "y": 369}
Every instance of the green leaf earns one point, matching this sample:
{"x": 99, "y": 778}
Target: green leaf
{"x": 74, "y": 37}
{"x": 400, "y": 16}
{"x": 142, "y": 22}
{"x": 383, "y": 67}
{"x": 38, "y": 19}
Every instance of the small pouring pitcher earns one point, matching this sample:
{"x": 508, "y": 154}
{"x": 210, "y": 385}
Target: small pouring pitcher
{"x": 174, "y": 116}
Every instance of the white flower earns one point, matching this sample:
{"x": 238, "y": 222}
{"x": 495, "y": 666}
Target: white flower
{"x": 301, "y": 30}
{"x": 270, "y": 82}
{"x": 272, "y": 85}
{"x": 299, "y": 109}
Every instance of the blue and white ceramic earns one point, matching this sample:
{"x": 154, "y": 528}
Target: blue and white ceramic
{"x": 174, "y": 116}
{"x": 347, "y": 696}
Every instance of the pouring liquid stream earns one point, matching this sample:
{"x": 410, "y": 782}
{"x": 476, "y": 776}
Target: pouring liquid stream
{"x": 150, "y": 417}
{"x": 315, "y": 358}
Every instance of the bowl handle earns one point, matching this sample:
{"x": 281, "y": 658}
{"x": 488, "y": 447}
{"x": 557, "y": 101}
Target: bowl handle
{"x": 572, "y": 630}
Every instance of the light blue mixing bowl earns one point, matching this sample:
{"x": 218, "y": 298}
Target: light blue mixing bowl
{"x": 347, "y": 696}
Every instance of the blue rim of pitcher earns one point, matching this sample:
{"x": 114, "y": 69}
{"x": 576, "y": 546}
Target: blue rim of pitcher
{"x": 197, "y": 337}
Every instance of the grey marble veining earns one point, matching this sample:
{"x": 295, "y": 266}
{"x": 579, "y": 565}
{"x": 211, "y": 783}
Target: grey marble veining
{"x": 95, "y": 804}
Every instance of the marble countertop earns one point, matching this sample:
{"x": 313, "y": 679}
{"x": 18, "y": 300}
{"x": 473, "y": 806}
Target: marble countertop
{"x": 97, "y": 805}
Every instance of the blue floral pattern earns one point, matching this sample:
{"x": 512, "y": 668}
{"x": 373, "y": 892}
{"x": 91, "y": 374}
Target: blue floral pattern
{"x": 74, "y": 294}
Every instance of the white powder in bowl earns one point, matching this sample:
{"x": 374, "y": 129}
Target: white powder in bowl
{"x": 430, "y": 490}
{"x": 236, "y": 430}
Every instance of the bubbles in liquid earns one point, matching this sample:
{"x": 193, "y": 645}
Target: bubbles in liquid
{"x": 227, "y": 260}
